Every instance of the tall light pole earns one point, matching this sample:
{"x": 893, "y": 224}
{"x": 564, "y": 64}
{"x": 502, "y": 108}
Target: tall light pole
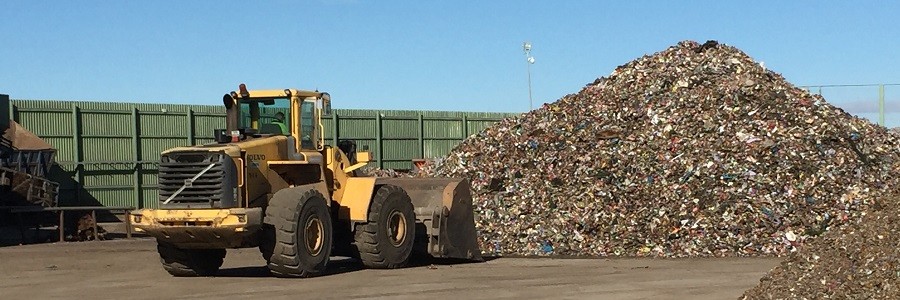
{"x": 526, "y": 46}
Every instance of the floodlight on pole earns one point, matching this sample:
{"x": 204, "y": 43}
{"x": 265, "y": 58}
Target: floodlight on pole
{"x": 526, "y": 46}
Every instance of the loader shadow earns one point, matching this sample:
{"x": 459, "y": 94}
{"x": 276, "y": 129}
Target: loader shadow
{"x": 422, "y": 261}
{"x": 341, "y": 265}
{"x": 335, "y": 266}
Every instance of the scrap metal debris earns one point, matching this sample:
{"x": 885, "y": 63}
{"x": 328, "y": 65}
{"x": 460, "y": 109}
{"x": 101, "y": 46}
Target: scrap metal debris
{"x": 697, "y": 150}
{"x": 85, "y": 230}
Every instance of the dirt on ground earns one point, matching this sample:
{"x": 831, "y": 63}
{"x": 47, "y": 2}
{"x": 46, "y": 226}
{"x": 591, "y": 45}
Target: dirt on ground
{"x": 130, "y": 269}
{"x": 860, "y": 260}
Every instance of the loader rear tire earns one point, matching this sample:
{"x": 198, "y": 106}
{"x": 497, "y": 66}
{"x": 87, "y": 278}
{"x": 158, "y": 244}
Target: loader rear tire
{"x": 190, "y": 262}
{"x": 386, "y": 241}
{"x": 302, "y": 225}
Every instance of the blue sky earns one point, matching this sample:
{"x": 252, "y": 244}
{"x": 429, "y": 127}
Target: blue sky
{"x": 432, "y": 55}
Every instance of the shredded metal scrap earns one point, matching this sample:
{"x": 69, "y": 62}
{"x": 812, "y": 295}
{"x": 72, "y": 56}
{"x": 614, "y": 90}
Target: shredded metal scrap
{"x": 696, "y": 150}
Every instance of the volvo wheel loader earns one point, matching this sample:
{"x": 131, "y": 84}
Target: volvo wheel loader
{"x": 273, "y": 183}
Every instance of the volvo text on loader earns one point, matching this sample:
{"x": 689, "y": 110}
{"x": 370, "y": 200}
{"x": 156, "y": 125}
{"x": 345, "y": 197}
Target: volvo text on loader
{"x": 297, "y": 199}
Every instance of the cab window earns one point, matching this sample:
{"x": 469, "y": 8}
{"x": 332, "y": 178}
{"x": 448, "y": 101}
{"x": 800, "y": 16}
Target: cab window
{"x": 307, "y": 124}
{"x": 271, "y": 116}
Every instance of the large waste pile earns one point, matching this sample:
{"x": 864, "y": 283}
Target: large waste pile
{"x": 696, "y": 150}
{"x": 860, "y": 260}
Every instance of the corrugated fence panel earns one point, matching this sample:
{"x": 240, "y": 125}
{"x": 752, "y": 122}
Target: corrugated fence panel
{"x": 164, "y": 125}
{"x": 107, "y": 149}
{"x": 400, "y": 128}
{"x": 107, "y": 128}
{"x": 204, "y": 126}
{"x": 106, "y": 175}
{"x": 106, "y": 124}
{"x": 47, "y": 123}
{"x": 357, "y": 128}
{"x": 439, "y": 148}
{"x": 400, "y": 149}
{"x": 328, "y": 123}
{"x": 148, "y": 175}
{"x": 441, "y": 129}
{"x": 150, "y": 197}
{"x": 53, "y": 127}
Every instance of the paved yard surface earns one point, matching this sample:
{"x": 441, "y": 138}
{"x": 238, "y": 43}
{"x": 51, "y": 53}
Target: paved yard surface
{"x": 130, "y": 269}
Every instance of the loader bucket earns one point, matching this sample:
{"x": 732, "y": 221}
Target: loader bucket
{"x": 444, "y": 215}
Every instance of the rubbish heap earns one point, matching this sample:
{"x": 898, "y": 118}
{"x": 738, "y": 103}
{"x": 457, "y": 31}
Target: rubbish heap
{"x": 860, "y": 260}
{"x": 696, "y": 150}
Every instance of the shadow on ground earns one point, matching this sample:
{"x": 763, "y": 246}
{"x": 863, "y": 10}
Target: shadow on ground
{"x": 335, "y": 266}
{"x": 341, "y": 265}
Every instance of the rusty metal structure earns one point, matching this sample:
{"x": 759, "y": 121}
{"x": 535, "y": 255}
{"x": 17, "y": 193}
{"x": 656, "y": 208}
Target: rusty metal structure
{"x": 25, "y": 162}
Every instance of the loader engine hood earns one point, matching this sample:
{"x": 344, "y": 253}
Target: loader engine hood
{"x": 198, "y": 177}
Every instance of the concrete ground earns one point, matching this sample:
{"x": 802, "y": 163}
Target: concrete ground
{"x": 130, "y": 269}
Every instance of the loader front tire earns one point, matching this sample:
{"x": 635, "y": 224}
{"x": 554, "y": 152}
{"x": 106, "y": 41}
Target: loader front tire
{"x": 190, "y": 262}
{"x": 301, "y": 221}
{"x": 386, "y": 240}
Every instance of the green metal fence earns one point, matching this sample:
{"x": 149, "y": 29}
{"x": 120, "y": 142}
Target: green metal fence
{"x": 108, "y": 152}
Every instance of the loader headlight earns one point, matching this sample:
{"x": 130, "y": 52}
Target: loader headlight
{"x": 242, "y": 218}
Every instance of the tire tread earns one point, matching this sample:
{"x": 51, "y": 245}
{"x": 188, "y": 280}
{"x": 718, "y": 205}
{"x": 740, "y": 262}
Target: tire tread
{"x": 371, "y": 250}
{"x": 285, "y": 213}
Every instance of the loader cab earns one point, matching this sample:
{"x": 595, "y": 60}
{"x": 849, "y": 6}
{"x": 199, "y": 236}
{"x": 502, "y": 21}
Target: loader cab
{"x": 288, "y": 112}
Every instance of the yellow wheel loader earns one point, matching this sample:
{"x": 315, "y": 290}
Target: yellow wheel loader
{"x": 270, "y": 181}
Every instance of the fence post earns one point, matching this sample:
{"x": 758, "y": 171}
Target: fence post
{"x": 421, "y": 136}
{"x": 881, "y": 105}
{"x": 191, "y": 129}
{"x": 12, "y": 111}
{"x": 79, "y": 153}
{"x": 379, "y": 156}
{"x": 136, "y": 144}
{"x": 465, "y": 127}
{"x": 334, "y": 129}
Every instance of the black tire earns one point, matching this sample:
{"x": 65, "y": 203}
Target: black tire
{"x": 190, "y": 262}
{"x": 267, "y": 241}
{"x": 290, "y": 213}
{"x": 386, "y": 240}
